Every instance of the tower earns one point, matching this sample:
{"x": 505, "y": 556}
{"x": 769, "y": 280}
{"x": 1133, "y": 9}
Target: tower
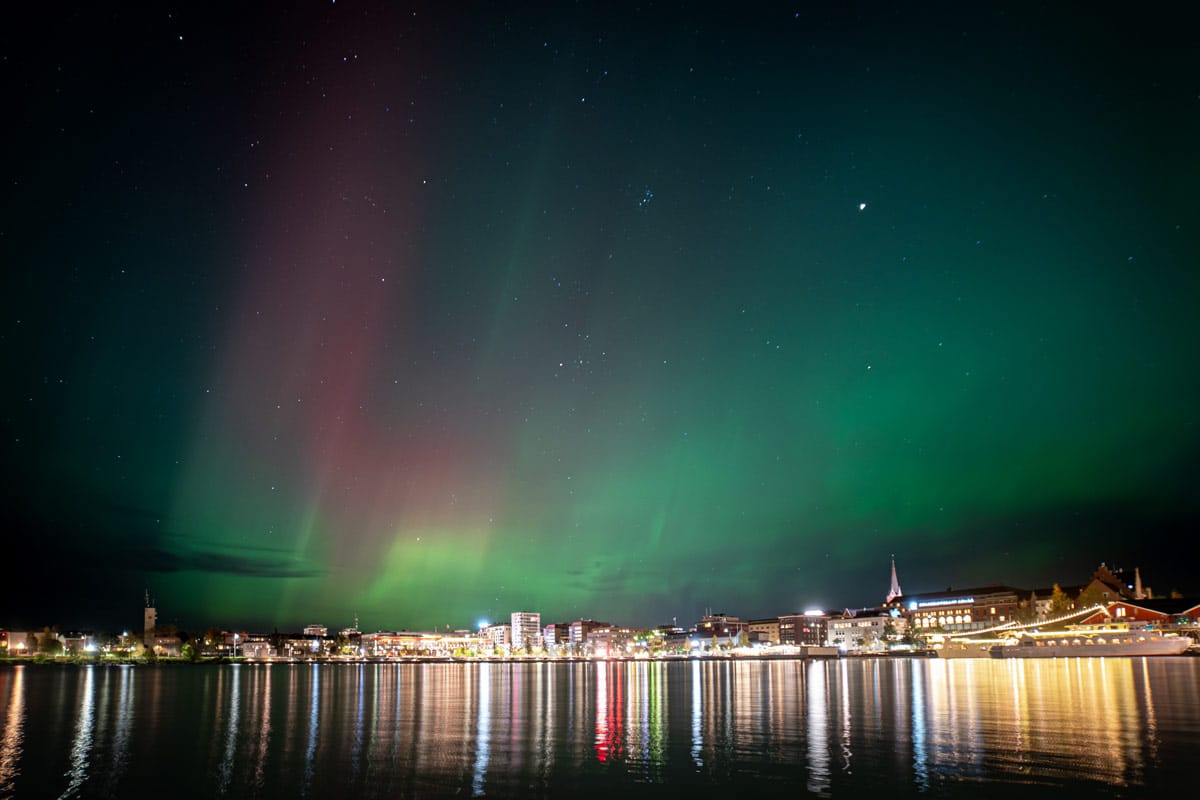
{"x": 894, "y": 591}
{"x": 1138, "y": 593}
{"x": 151, "y": 622}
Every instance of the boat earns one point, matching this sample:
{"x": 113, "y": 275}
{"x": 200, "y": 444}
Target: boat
{"x": 1091, "y": 641}
{"x": 965, "y": 648}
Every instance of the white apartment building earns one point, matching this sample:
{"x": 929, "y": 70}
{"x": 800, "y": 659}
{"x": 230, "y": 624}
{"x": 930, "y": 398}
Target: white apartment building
{"x": 526, "y": 630}
{"x": 498, "y": 636}
{"x": 863, "y": 633}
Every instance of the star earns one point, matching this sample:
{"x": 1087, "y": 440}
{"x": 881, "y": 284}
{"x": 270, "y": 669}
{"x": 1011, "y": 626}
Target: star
{"x": 862, "y": 206}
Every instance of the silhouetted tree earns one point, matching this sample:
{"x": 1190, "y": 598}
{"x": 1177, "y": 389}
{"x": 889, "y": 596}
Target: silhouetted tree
{"x": 1059, "y": 602}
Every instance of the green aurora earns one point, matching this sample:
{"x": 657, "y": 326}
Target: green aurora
{"x": 429, "y": 320}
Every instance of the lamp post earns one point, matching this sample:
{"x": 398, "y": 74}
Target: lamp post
{"x": 235, "y": 638}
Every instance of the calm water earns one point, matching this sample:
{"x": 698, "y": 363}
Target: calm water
{"x": 964, "y": 728}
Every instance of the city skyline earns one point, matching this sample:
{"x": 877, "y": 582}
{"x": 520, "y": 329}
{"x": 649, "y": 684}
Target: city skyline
{"x": 79, "y": 620}
{"x": 427, "y": 315}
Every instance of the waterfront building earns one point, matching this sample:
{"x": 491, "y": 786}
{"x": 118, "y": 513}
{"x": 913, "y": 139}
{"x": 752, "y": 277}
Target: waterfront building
{"x": 316, "y": 630}
{"x": 398, "y": 644}
{"x": 610, "y": 642}
{"x": 582, "y": 628}
{"x": 765, "y": 631}
{"x": 671, "y": 638}
{"x": 76, "y": 642}
{"x": 555, "y": 635}
{"x": 498, "y": 637}
{"x": 257, "y": 649}
{"x": 526, "y": 630}
{"x": 862, "y": 632}
{"x": 810, "y": 629}
{"x": 721, "y": 625}
{"x": 956, "y": 610}
{"x": 460, "y": 641}
{"x": 23, "y": 643}
{"x": 167, "y": 646}
{"x": 1166, "y": 614}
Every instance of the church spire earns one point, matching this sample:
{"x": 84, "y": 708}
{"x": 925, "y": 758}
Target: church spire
{"x": 894, "y": 591}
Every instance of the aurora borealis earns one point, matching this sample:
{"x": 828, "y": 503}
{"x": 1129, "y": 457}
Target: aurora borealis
{"x": 430, "y": 316}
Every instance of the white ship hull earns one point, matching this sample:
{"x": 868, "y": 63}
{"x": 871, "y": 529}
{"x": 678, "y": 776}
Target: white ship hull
{"x": 1091, "y": 648}
{"x": 965, "y": 649}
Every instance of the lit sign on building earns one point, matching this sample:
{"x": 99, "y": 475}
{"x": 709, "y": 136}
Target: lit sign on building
{"x": 957, "y": 601}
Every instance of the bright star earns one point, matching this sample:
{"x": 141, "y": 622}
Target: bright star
{"x": 862, "y": 206}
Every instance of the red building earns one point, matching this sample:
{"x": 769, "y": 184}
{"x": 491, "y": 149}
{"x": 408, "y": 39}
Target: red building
{"x": 1173, "y": 613}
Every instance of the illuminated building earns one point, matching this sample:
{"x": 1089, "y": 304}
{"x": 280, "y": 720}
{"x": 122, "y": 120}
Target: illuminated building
{"x": 1166, "y": 614}
{"x": 766, "y": 631}
{"x": 808, "y": 629}
{"x": 498, "y": 637}
{"x": 862, "y": 632}
{"x": 555, "y": 634}
{"x": 965, "y": 609}
{"x": 526, "y": 630}
{"x": 582, "y": 628}
{"x": 721, "y": 625}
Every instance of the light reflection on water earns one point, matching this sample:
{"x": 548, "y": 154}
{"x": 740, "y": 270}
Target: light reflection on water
{"x": 835, "y": 728}
{"x": 14, "y": 729}
{"x": 81, "y": 746}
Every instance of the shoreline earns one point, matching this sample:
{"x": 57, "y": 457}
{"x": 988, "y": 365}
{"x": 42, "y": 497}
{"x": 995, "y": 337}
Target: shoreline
{"x": 228, "y": 661}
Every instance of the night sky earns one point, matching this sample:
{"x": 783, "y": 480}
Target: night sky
{"x": 431, "y": 315}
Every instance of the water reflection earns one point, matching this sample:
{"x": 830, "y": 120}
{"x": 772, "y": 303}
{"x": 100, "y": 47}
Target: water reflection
{"x": 314, "y": 717}
{"x": 225, "y": 771}
{"x": 697, "y": 714}
{"x": 120, "y": 743}
{"x": 603, "y": 734}
{"x": 818, "y": 730}
{"x": 264, "y": 728}
{"x": 920, "y": 766}
{"x": 81, "y": 747}
{"x": 904, "y": 727}
{"x": 14, "y": 732}
{"x": 482, "y": 729}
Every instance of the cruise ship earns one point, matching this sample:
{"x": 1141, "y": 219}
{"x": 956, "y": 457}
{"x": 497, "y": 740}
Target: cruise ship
{"x": 957, "y": 647}
{"x": 1091, "y": 641}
